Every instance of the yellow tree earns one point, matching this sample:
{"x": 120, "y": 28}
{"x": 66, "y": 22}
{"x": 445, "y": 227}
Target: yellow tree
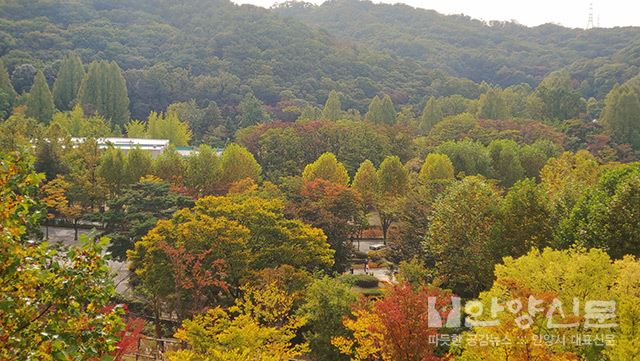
{"x": 542, "y": 302}
{"x": 260, "y": 326}
{"x": 328, "y": 168}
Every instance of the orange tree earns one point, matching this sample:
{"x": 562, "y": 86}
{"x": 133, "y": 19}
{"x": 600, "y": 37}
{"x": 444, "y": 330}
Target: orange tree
{"x": 397, "y": 326}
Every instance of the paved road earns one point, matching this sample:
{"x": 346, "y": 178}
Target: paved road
{"x": 119, "y": 269}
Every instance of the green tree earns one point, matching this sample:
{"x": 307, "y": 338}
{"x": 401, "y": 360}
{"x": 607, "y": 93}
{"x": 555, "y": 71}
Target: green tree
{"x": 627, "y": 310}
{"x": 327, "y": 302}
{"x": 18, "y": 132}
{"x": 235, "y": 235}
{"x": 374, "y": 113}
{"x": 50, "y": 151}
{"x": 134, "y": 213}
{"x": 206, "y": 124}
{"x": 393, "y": 177}
{"x": 7, "y": 94}
{"x": 555, "y": 98}
{"x": 281, "y": 153}
{"x": 169, "y": 166}
{"x": 252, "y": 111}
{"x": 436, "y": 167}
{"x": 203, "y": 171}
{"x": 621, "y": 115}
{"x": 40, "y": 102}
{"x": 505, "y": 161}
{"x": 528, "y": 277}
{"x": 468, "y": 157}
{"x": 565, "y": 179}
{"x": 77, "y": 125}
{"x": 168, "y": 126}
{"x": 328, "y": 168}
{"x": 104, "y": 91}
{"x": 333, "y": 107}
{"x": 135, "y": 129}
{"x": 525, "y": 219}
{"x": 365, "y": 181}
{"x": 381, "y": 111}
{"x": 238, "y": 163}
{"x": 414, "y": 272}
{"x": 492, "y": 105}
{"x": 607, "y": 216}
{"x": 113, "y": 169}
{"x": 68, "y": 80}
{"x": 393, "y": 185}
{"x": 138, "y": 164}
{"x": 462, "y": 236}
{"x": 87, "y": 189}
{"x": 431, "y": 114}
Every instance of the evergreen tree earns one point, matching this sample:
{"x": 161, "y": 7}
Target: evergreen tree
{"x": 333, "y": 107}
{"x": 381, "y": 111}
{"x": 388, "y": 111}
{"x": 621, "y": 115}
{"x": 431, "y": 114}
{"x": 40, "y": 102}
{"x": 104, "y": 91}
{"x": 67, "y": 84}
{"x": 374, "y": 114}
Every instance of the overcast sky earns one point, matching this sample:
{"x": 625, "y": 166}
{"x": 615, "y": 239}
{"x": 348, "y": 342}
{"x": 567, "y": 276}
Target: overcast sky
{"x": 571, "y": 13}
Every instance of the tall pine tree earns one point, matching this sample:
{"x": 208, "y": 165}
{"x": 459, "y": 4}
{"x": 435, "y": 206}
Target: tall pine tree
{"x": 40, "y": 102}
{"x": 388, "y": 111}
{"x": 104, "y": 91}
{"x": 381, "y": 111}
{"x": 431, "y": 114}
{"x": 333, "y": 107}
{"x": 67, "y": 84}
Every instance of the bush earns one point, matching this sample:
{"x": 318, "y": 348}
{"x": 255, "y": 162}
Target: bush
{"x": 373, "y": 292}
{"x": 362, "y": 281}
{"x": 360, "y": 255}
{"x": 376, "y": 256}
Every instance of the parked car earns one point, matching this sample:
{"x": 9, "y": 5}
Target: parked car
{"x": 377, "y": 246}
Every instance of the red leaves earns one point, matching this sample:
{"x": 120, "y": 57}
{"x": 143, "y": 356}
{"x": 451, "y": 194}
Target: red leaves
{"x": 404, "y": 315}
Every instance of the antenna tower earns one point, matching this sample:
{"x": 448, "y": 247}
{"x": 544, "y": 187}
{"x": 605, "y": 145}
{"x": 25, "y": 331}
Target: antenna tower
{"x": 590, "y": 21}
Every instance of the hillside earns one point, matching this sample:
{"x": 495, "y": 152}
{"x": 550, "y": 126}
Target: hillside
{"x": 295, "y": 54}
{"x": 208, "y": 50}
{"x": 503, "y": 53}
